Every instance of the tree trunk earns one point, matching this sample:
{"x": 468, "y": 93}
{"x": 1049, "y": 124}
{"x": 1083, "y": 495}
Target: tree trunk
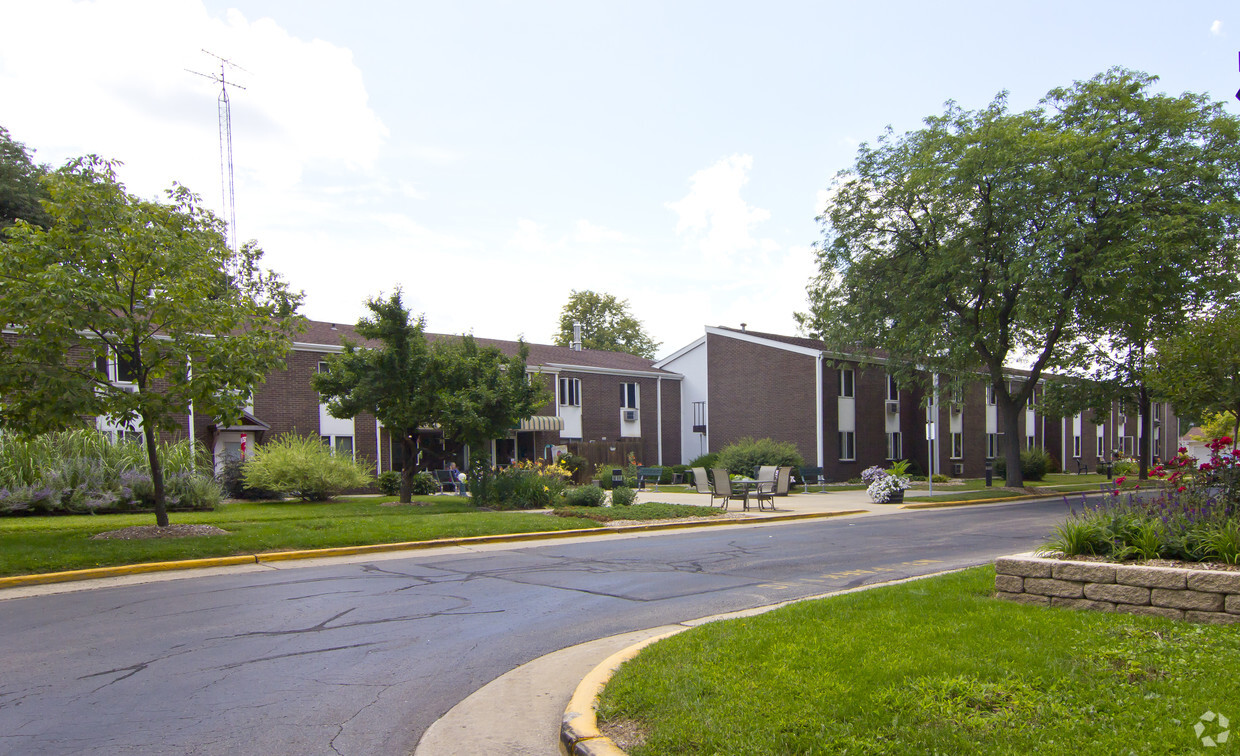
{"x": 409, "y": 457}
{"x": 1146, "y": 432}
{"x": 1009, "y": 414}
{"x": 157, "y": 473}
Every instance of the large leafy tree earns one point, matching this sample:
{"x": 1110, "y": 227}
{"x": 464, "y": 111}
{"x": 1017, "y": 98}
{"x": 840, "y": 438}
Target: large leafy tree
{"x": 151, "y": 287}
{"x": 1166, "y": 170}
{"x": 992, "y": 237}
{"x": 1199, "y": 366}
{"x": 472, "y": 393}
{"x": 606, "y": 324}
{"x": 21, "y": 191}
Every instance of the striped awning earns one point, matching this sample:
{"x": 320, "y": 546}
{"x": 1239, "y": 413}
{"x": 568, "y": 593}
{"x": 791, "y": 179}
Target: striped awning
{"x": 541, "y": 423}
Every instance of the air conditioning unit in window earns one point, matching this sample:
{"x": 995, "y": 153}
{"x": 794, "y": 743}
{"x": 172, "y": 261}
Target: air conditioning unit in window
{"x": 893, "y": 408}
{"x": 957, "y": 468}
{"x": 956, "y": 409}
{"x": 630, "y": 415}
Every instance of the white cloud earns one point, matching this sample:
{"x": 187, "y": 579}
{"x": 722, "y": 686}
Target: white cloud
{"x": 713, "y": 215}
{"x": 1216, "y": 28}
{"x": 117, "y": 84}
{"x": 588, "y": 233}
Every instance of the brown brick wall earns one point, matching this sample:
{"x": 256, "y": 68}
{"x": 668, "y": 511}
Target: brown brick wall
{"x": 761, "y": 392}
{"x": 671, "y": 422}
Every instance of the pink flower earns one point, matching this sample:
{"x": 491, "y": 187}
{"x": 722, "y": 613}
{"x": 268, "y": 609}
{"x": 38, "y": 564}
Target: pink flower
{"x": 1120, "y": 480}
{"x": 1181, "y": 489}
{"x": 1183, "y": 450}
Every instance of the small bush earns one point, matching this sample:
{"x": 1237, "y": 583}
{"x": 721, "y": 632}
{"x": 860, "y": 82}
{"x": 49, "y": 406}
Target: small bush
{"x": 941, "y": 478}
{"x": 576, "y": 465}
{"x": 623, "y": 496}
{"x": 584, "y": 496}
{"x": 743, "y": 455}
{"x": 1034, "y": 464}
{"x": 232, "y": 481}
{"x": 302, "y": 466}
{"x": 421, "y": 484}
{"x": 706, "y": 460}
{"x": 389, "y": 483}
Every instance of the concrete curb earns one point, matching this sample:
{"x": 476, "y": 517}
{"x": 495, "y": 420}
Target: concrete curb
{"x": 95, "y": 573}
{"x": 969, "y": 502}
{"x": 579, "y": 732}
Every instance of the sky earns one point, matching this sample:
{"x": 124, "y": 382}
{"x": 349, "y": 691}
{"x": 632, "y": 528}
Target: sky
{"x": 490, "y": 157}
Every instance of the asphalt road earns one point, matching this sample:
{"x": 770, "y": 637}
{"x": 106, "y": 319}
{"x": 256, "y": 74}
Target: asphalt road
{"x": 361, "y": 658}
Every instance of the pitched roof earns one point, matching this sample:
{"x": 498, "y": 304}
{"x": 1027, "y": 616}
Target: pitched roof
{"x": 319, "y": 332}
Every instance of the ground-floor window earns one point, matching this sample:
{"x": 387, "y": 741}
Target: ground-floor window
{"x": 992, "y": 445}
{"x": 342, "y": 445}
{"x": 1101, "y": 447}
{"x": 1030, "y": 442}
{"x": 957, "y": 445}
{"x": 848, "y": 446}
{"x": 893, "y": 446}
{"x": 1076, "y": 446}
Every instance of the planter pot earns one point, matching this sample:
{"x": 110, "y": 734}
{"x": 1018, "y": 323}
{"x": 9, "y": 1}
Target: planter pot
{"x": 897, "y": 497}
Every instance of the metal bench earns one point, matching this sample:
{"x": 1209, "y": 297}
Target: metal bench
{"x": 652, "y": 474}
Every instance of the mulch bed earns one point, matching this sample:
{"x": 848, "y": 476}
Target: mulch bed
{"x": 138, "y": 532}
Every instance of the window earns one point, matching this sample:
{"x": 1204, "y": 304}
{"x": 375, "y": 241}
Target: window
{"x": 893, "y": 445}
{"x": 342, "y": 445}
{"x": 322, "y": 367}
{"x": 957, "y": 395}
{"x": 846, "y": 382}
{"x": 117, "y": 367}
{"x": 570, "y": 392}
{"x": 628, "y": 396}
{"x": 1076, "y": 446}
{"x": 1030, "y": 442}
{"x": 893, "y": 391}
{"x": 992, "y": 445}
{"x": 1102, "y": 447}
{"x": 848, "y": 445}
{"x": 990, "y": 394}
{"x": 957, "y": 445}
{"x": 1030, "y": 402}
{"x": 1157, "y": 413}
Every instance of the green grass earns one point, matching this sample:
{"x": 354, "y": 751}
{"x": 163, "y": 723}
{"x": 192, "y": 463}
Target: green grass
{"x": 929, "y": 667}
{"x": 647, "y": 511}
{"x": 48, "y": 544}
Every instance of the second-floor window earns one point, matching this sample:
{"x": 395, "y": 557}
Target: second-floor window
{"x": 119, "y": 367}
{"x": 846, "y": 382}
{"x": 570, "y": 392}
{"x": 893, "y": 391}
{"x": 628, "y": 396}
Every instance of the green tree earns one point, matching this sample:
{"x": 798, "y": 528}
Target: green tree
{"x": 151, "y": 289}
{"x": 606, "y": 324}
{"x": 1199, "y": 367}
{"x": 20, "y": 188}
{"x": 990, "y": 237}
{"x": 473, "y": 393}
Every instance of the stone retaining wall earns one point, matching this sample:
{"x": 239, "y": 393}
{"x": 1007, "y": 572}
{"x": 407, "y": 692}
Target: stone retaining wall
{"x": 1178, "y": 593}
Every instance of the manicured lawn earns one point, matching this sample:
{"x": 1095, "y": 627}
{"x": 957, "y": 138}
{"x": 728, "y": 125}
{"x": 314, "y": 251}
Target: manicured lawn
{"x": 929, "y": 667}
{"x": 49, "y": 544}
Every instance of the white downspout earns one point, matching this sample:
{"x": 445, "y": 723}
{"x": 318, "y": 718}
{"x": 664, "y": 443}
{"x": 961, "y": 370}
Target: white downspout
{"x": 818, "y": 402}
{"x": 658, "y": 392}
{"x": 378, "y": 447}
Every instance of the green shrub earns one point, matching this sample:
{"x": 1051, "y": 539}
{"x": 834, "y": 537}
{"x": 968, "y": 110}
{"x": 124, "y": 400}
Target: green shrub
{"x": 576, "y": 465}
{"x": 706, "y": 460}
{"x": 1034, "y": 464}
{"x": 623, "y": 496}
{"x": 940, "y": 478}
{"x": 422, "y": 483}
{"x": 525, "y": 485}
{"x": 584, "y": 496}
{"x": 304, "y": 467}
{"x": 232, "y": 480}
{"x": 1123, "y": 467}
{"x": 388, "y": 483}
{"x": 743, "y": 455}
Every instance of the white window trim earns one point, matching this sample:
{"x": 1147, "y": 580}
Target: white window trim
{"x": 848, "y": 451}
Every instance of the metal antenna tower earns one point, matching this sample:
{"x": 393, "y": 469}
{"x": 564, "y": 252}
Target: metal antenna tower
{"x": 226, "y": 149}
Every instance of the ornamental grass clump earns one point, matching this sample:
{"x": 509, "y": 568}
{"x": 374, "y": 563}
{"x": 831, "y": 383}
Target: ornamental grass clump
{"x": 1194, "y": 517}
{"x": 85, "y": 472}
{"x": 304, "y": 467}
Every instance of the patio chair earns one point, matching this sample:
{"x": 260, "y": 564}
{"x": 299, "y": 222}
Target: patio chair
{"x": 783, "y": 479}
{"x": 702, "y": 483}
{"x": 721, "y": 487}
{"x": 765, "y": 473}
{"x": 765, "y": 491}
{"x": 446, "y": 481}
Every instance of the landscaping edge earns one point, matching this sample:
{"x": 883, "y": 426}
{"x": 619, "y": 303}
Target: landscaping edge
{"x": 96, "y": 573}
{"x": 1180, "y": 593}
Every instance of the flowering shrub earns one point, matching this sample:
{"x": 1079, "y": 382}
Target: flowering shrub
{"x": 883, "y": 484}
{"x": 524, "y": 485}
{"x": 871, "y": 474}
{"x": 1195, "y": 517}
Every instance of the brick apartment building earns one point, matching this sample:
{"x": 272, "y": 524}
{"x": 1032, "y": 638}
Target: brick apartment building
{"x": 845, "y": 416}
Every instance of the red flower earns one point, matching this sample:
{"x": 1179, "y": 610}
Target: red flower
{"x": 1183, "y": 450}
{"x": 1120, "y": 480}
{"x": 1181, "y": 489}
